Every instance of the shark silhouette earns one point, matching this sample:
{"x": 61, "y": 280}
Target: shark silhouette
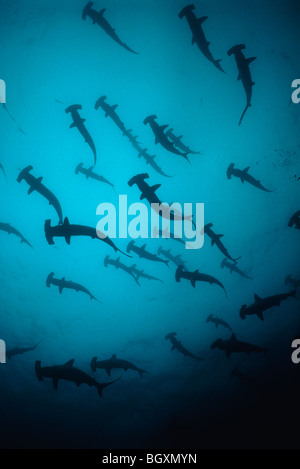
{"x": 177, "y": 345}
{"x": 7, "y": 228}
{"x": 218, "y": 321}
{"x": 78, "y": 122}
{"x": 196, "y": 276}
{"x": 63, "y": 283}
{"x": 234, "y": 268}
{"x": 233, "y": 345}
{"x": 90, "y": 174}
{"x": 263, "y": 304}
{"x": 243, "y": 175}
{"x": 114, "y": 363}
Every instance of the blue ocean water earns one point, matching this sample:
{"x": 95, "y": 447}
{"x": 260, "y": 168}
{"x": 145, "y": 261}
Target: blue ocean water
{"x": 50, "y": 59}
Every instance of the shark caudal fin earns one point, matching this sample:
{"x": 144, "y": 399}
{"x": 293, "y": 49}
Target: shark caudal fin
{"x": 24, "y": 173}
{"x": 49, "y": 279}
{"x": 38, "y": 370}
{"x": 178, "y": 273}
{"x": 149, "y": 119}
{"x": 186, "y": 10}
{"x": 93, "y": 364}
{"x": 244, "y": 112}
{"x": 243, "y": 311}
{"x": 101, "y": 386}
{"x": 229, "y": 170}
{"x": 235, "y": 49}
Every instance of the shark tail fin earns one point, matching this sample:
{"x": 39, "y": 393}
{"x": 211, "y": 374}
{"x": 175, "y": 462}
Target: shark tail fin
{"x": 101, "y": 386}
{"x": 93, "y": 364}
{"x": 38, "y": 370}
{"x": 244, "y": 112}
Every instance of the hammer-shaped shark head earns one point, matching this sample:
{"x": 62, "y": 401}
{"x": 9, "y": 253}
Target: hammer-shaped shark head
{"x": 229, "y": 170}
{"x": 150, "y": 119}
{"x": 236, "y": 49}
{"x": 49, "y": 279}
{"x": 186, "y": 10}
{"x": 243, "y": 312}
{"x": 100, "y": 101}
{"x": 87, "y": 10}
{"x": 137, "y": 179}
{"x": 170, "y": 335}
{"x": 25, "y": 172}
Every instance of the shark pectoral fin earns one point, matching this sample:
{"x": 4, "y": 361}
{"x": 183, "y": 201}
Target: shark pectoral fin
{"x": 251, "y": 59}
{"x": 70, "y": 362}
{"x": 163, "y": 127}
{"x": 55, "y": 383}
{"x": 30, "y": 190}
{"x": 193, "y": 282}
{"x": 114, "y": 107}
{"x": 60, "y": 289}
{"x": 68, "y": 239}
{"x": 155, "y": 187}
{"x": 72, "y": 125}
{"x": 256, "y": 298}
{"x": 260, "y": 315}
{"x": 108, "y": 370}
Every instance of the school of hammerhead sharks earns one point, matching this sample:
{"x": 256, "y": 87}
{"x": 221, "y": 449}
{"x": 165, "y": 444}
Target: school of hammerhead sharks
{"x": 165, "y": 136}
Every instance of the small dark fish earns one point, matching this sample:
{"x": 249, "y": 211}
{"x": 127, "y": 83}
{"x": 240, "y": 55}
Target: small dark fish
{"x": 196, "y": 276}
{"x": 245, "y": 176}
{"x": 63, "y": 283}
{"x": 11, "y": 230}
{"x": 176, "y": 344}
{"x": 98, "y": 18}
{"x": 35, "y": 184}
{"x": 244, "y": 73}
{"x": 114, "y": 363}
{"x": 20, "y": 350}
{"x": 68, "y": 372}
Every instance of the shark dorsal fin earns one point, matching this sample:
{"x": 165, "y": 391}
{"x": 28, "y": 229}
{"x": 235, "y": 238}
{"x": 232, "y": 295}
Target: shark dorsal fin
{"x": 246, "y": 169}
{"x": 163, "y": 127}
{"x": 250, "y": 59}
{"x": 70, "y": 362}
{"x": 233, "y": 338}
{"x": 257, "y": 298}
{"x": 196, "y": 272}
{"x": 40, "y": 179}
{"x": 101, "y": 12}
{"x": 144, "y": 246}
{"x": 66, "y": 221}
{"x": 113, "y": 357}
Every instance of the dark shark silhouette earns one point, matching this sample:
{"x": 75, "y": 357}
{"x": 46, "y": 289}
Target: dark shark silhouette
{"x": 196, "y": 276}
{"x": 99, "y": 19}
{"x": 142, "y": 274}
{"x": 218, "y": 321}
{"x": 199, "y": 38}
{"x": 110, "y": 111}
{"x": 63, "y": 283}
{"x": 234, "y": 268}
{"x": 292, "y": 281}
{"x": 160, "y": 136}
{"x": 68, "y": 372}
{"x": 149, "y": 193}
{"x": 35, "y": 184}
{"x": 243, "y": 377}
{"x": 179, "y": 144}
{"x": 114, "y": 363}
{"x": 215, "y": 239}
{"x": 243, "y": 175}
{"x": 177, "y": 260}
{"x": 176, "y": 344}
{"x": 119, "y": 265}
{"x": 11, "y": 230}
{"x": 144, "y": 254}
{"x": 20, "y": 350}
{"x": 78, "y": 122}
{"x": 263, "y": 304}
{"x": 4, "y": 106}
{"x": 233, "y": 345}
{"x": 66, "y": 230}
{"x": 89, "y": 173}
{"x": 3, "y": 171}
{"x": 165, "y": 233}
{"x": 244, "y": 73}
{"x": 295, "y": 220}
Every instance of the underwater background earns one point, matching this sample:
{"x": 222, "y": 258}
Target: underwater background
{"x": 51, "y": 59}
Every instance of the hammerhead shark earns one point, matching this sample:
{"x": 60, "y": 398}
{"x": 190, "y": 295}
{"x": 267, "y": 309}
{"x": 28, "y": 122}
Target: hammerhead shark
{"x": 176, "y": 344}
{"x": 63, "y": 283}
{"x": 20, "y": 350}
{"x": 35, "y": 184}
{"x": 233, "y": 345}
{"x": 234, "y": 268}
{"x": 215, "y": 239}
{"x": 292, "y": 281}
{"x": 295, "y": 220}
{"x": 89, "y": 173}
{"x": 78, "y": 122}
{"x": 66, "y": 230}
{"x": 196, "y": 276}
{"x": 218, "y": 321}
{"x": 243, "y": 175}
{"x": 243, "y": 377}
{"x": 68, "y": 372}
{"x": 179, "y": 144}
{"x": 99, "y": 19}
{"x": 119, "y": 265}
{"x": 165, "y": 233}
{"x": 160, "y": 136}
{"x": 110, "y": 111}
{"x": 177, "y": 260}
{"x": 263, "y": 304}
{"x": 11, "y": 230}
{"x": 199, "y": 38}
{"x": 244, "y": 73}
{"x": 3, "y": 170}
{"x": 144, "y": 254}
{"x": 149, "y": 193}
{"x": 114, "y": 363}
{"x": 142, "y": 274}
